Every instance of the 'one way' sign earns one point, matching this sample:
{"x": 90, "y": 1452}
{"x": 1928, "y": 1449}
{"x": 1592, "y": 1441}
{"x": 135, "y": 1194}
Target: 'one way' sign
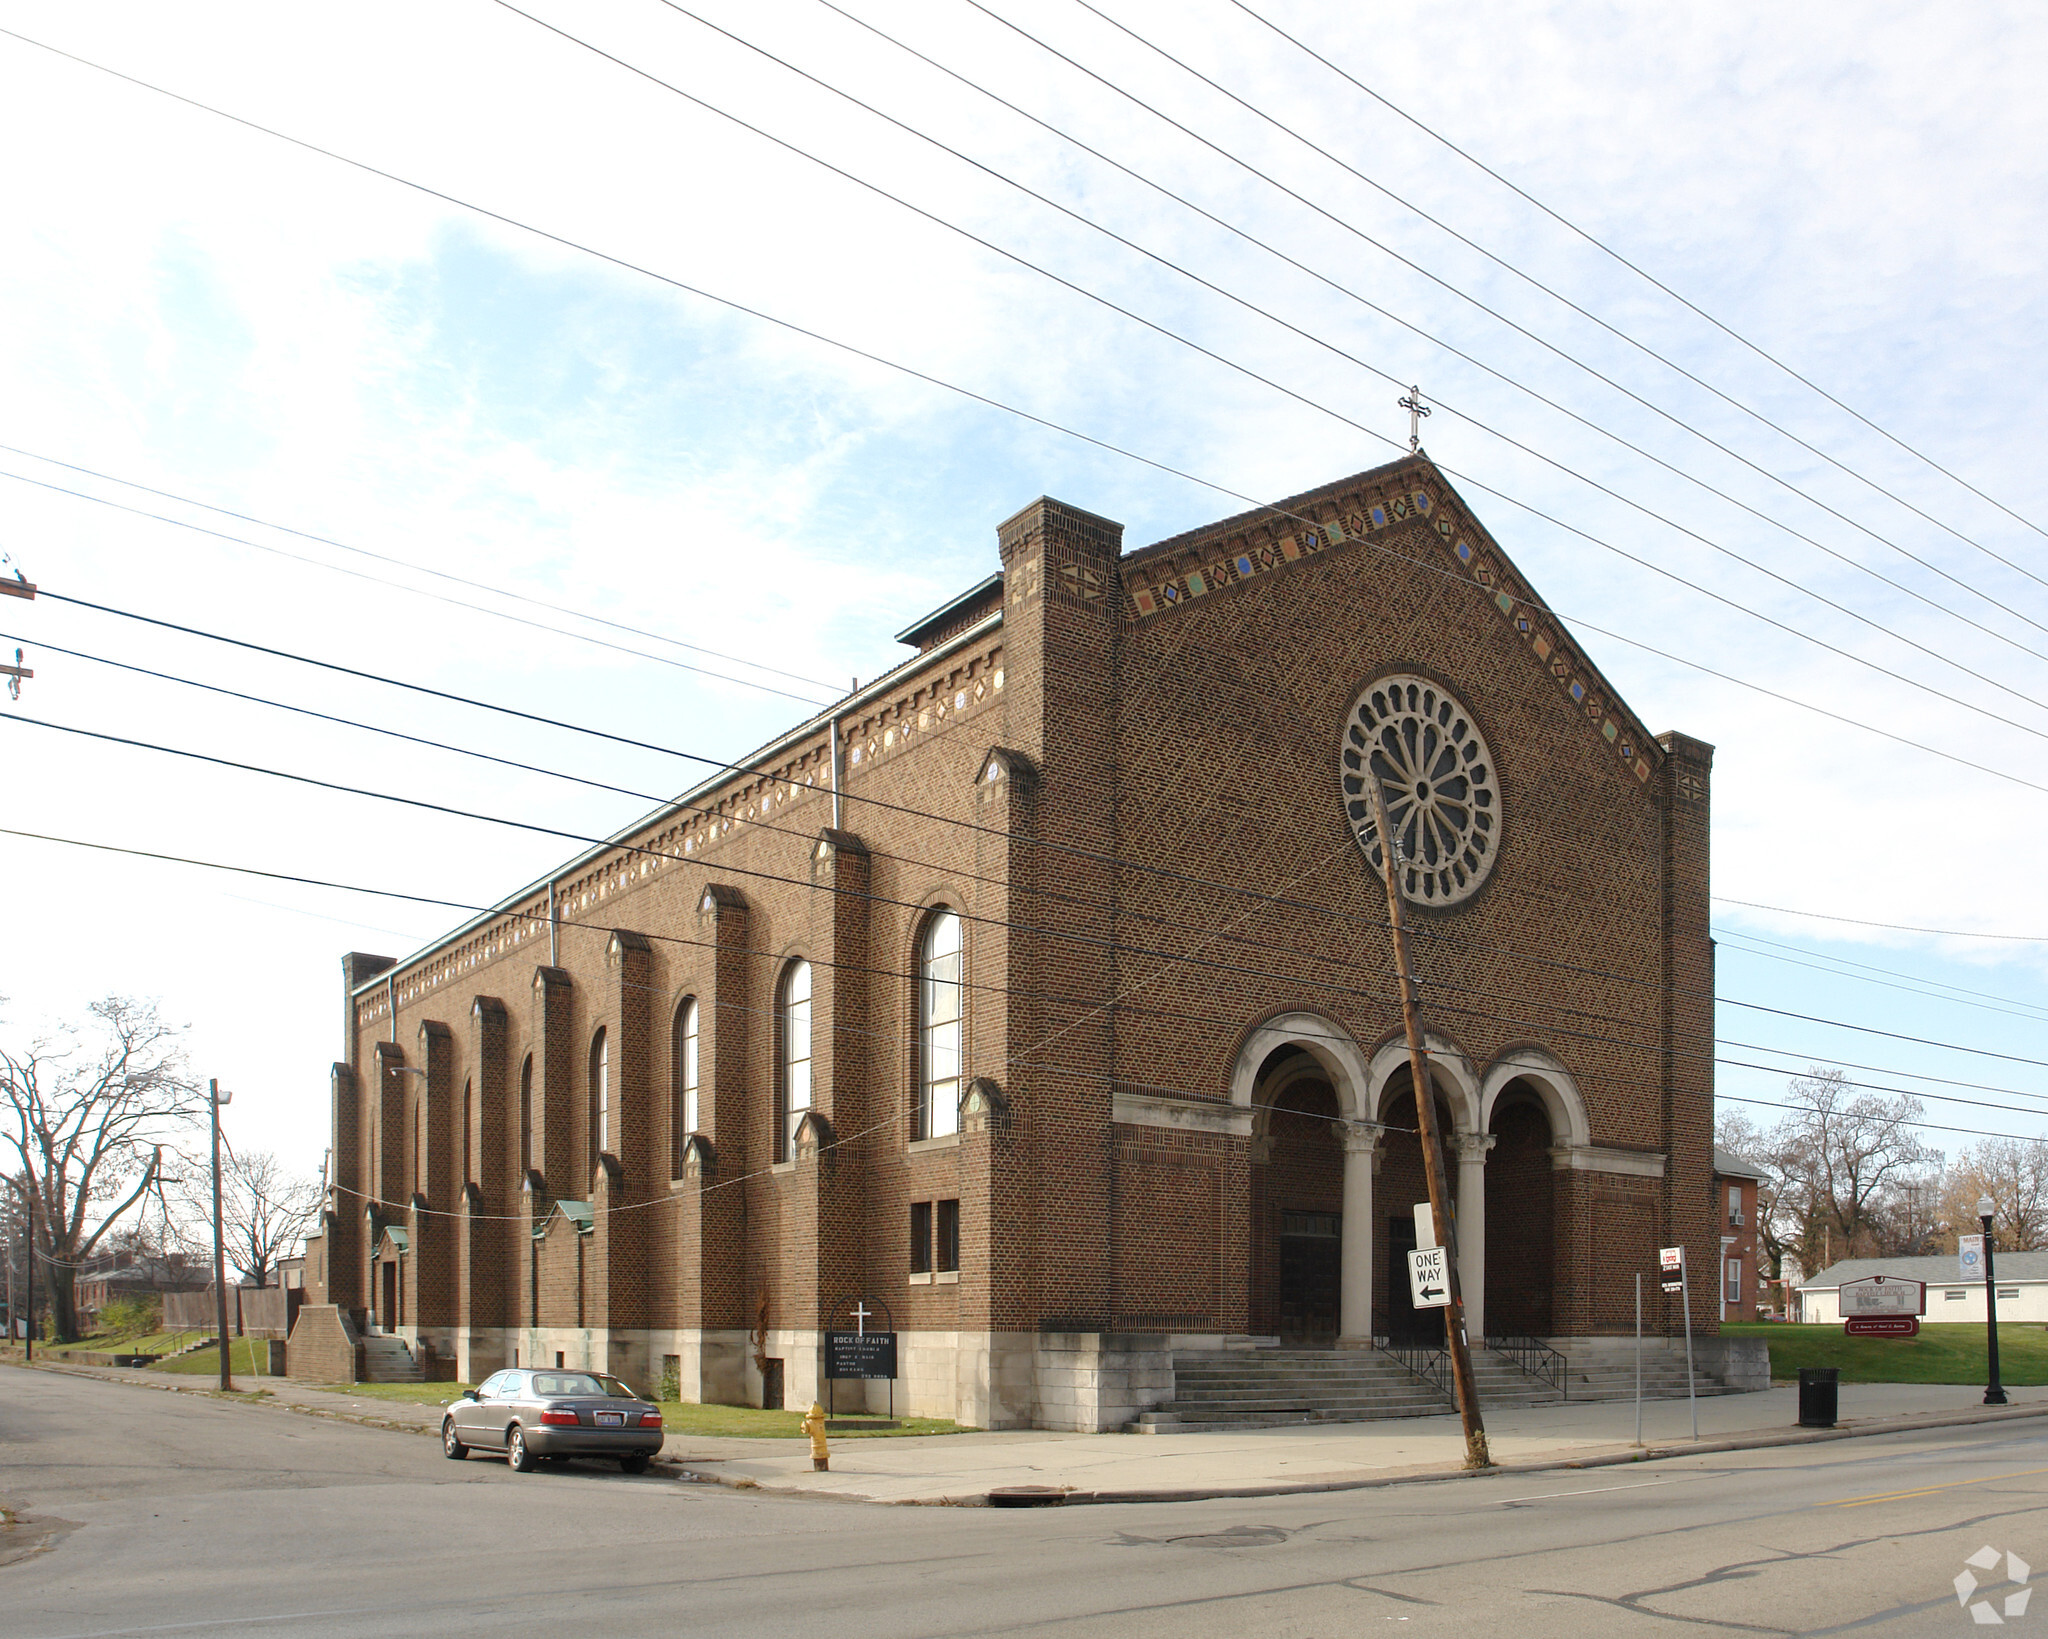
{"x": 1429, "y": 1277}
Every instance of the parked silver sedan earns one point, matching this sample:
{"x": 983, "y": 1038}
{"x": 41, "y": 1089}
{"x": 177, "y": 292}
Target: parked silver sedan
{"x": 536, "y": 1416}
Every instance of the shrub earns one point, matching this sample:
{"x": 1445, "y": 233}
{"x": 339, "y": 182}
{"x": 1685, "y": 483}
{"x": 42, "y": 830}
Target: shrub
{"x": 135, "y": 1316}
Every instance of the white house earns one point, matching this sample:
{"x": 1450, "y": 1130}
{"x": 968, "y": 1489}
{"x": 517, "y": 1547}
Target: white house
{"x": 2022, "y": 1287}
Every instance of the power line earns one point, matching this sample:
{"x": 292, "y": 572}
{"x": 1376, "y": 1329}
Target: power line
{"x": 416, "y": 591}
{"x": 1433, "y": 936}
{"x": 1867, "y": 978}
{"x": 1042, "y": 421}
{"x": 406, "y": 563}
{"x": 1307, "y": 399}
{"x": 1435, "y": 340}
{"x": 1894, "y": 927}
{"x": 1113, "y": 945}
{"x": 1530, "y": 279}
{"x": 1643, "y": 273}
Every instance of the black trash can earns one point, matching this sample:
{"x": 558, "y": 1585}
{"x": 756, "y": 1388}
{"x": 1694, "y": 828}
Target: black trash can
{"x": 1819, "y": 1389}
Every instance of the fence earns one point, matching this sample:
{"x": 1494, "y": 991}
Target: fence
{"x": 253, "y": 1311}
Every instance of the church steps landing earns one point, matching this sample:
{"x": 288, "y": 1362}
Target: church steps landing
{"x": 387, "y": 1360}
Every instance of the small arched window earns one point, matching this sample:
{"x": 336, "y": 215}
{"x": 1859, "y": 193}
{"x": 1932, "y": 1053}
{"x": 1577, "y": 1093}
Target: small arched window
{"x": 525, "y": 1118}
{"x": 685, "y": 1074}
{"x": 940, "y": 1015}
{"x": 793, "y": 1055}
{"x": 600, "y": 1096}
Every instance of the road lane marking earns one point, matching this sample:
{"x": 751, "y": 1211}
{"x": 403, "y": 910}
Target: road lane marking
{"x": 1545, "y": 1496}
{"x": 1926, "y": 1490}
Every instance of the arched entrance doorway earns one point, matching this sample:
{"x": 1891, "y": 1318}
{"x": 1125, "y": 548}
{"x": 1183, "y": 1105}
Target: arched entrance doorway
{"x": 1297, "y": 1201}
{"x": 1520, "y": 1215}
{"x": 1402, "y": 1183}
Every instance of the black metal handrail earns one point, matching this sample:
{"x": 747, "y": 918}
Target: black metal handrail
{"x": 1431, "y": 1364}
{"x": 1535, "y": 1357}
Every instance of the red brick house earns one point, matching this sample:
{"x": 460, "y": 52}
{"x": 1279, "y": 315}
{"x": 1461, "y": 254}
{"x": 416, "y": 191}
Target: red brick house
{"x": 1736, "y": 1186}
{"x": 1041, "y": 991}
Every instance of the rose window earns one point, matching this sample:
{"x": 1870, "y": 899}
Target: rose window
{"x": 1442, "y": 791}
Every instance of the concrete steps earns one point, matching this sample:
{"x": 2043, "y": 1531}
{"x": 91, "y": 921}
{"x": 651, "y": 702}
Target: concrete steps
{"x": 388, "y": 1360}
{"x": 1274, "y": 1388}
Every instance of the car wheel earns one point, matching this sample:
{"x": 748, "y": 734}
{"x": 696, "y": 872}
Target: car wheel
{"x": 451, "y": 1447}
{"x": 634, "y": 1464}
{"x": 517, "y": 1455}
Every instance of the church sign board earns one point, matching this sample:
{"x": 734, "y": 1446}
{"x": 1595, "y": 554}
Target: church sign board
{"x": 1876, "y": 1295}
{"x": 860, "y": 1354}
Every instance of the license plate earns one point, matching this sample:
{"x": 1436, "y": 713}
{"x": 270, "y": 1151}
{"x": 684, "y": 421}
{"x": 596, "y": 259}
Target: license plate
{"x": 611, "y": 1419}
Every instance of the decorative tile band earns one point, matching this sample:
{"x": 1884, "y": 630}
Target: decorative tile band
{"x": 1541, "y": 634}
{"x": 1227, "y": 562}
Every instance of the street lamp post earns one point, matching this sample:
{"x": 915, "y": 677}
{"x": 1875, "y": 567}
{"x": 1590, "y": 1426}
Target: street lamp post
{"x": 1994, "y": 1391}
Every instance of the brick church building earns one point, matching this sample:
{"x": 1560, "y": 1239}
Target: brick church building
{"x": 1038, "y": 996}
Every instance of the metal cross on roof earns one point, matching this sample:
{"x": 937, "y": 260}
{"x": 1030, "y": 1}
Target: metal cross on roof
{"x": 1417, "y": 409}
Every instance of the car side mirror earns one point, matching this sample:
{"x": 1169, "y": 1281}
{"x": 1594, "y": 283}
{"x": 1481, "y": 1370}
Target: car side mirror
{"x": 471, "y": 1394}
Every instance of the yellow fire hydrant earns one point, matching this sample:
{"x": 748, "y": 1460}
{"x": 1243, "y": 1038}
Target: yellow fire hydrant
{"x": 814, "y": 1425}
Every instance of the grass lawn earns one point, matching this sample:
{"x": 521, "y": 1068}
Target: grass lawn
{"x": 110, "y": 1343}
{"x": 249, "y": 1357}
{"x": 742, "y": 1422}
{"x": 1951, "y": 1352}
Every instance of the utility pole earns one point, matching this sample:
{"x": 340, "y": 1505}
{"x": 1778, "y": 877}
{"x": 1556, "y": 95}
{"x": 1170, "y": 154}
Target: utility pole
{"x": 29, "y": 1337}
{"x": 215, "y": 1098}
{"x": 1425, "y": 1111}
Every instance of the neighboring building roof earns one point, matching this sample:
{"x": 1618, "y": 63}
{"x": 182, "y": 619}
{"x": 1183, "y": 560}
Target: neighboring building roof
{"x": 1939, "y": 1270}
{"x": 976, "y": 600}
{"x": 1727, "y": 1164}
{"x": 580, "y": 1214}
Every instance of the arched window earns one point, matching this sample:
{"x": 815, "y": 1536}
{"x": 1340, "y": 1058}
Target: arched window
{"x": 684, "y": 1071}
{"x": 793, "y": 1053}
{"x": 526, "y": 1118}
{"x": 419, "y": 1107}
{"x": 939, "y": 1018}
{"x": 600, "y": 1096}
{"x": 468, "y": 1117}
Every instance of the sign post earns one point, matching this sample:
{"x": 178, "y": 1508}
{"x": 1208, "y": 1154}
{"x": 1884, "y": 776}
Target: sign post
{"x": 861, "y": 1354}
{"x": 1671, "y": 1260}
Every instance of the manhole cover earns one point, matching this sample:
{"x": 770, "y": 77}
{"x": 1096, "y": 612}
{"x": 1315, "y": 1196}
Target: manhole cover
{"x": 1026, "y": 1496}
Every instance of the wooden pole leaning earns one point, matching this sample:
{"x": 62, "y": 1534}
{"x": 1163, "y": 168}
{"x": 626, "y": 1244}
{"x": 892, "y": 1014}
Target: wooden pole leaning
{"x": 1476, "y": 1455}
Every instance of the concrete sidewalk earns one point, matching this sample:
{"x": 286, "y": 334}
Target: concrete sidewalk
{"x": 963, "y": 1469}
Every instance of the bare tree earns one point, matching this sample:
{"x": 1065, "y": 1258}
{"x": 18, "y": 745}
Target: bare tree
{"x": 1850, "y": 1172}
{"x": 86, "y": 1116}
{"x": 2014, "y": 1173}
{"x": 265, "y": 1212}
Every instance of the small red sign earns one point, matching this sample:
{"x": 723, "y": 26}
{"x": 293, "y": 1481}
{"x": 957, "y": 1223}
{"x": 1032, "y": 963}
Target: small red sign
{"x": 1882, "y": 1326}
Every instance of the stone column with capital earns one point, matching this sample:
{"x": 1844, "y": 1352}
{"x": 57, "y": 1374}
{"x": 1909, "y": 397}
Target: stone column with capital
{"x": 1361, "y": 1141}
{"x": 1472, "y": 1148}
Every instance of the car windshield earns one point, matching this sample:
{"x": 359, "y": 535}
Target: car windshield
{"x": 551, "y": 1385}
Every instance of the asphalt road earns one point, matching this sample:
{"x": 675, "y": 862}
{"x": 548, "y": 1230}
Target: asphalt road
{"x": 153, "y": 1513}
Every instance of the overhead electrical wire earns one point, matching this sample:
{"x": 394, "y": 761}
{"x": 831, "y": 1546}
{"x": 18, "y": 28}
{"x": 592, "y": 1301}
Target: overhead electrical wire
{"x": 1309, "y": 400}
{"x": 1068, "y": 935}
{"x": 896, "y": 1117}
{"x": 408, "y": 563}
{"x": 997, "y": 404}
{"x": 1643, "y": 273}
{"x": 1406, "y": 204}
{"x": 1770, "y": 519}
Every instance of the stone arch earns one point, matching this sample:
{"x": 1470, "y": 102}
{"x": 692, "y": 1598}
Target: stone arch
{"x": 1451, "y": 1071}
{"x": 1546, "y": 1075}
{"x": 1324, "y": 1040}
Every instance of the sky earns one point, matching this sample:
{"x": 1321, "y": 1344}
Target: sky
{"x": 615, "y": 350}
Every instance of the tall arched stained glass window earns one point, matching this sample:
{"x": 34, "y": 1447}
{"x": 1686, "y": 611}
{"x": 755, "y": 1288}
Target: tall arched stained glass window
{"x": 793, "y": 1052}
{"x": 600, "y": 1097}
{"x": 684, "y": 1072}
{"x": 940, "y": 1015}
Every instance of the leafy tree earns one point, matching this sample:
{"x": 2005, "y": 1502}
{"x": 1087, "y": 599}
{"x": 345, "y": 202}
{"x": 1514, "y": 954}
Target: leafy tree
{"x": 84, "y": 1115}
{"x": 2014, "y": 1173}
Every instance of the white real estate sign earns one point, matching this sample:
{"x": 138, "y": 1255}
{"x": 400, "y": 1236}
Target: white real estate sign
{"x": 1429, "y": 1277}
{"x": 1882, "y": 1295}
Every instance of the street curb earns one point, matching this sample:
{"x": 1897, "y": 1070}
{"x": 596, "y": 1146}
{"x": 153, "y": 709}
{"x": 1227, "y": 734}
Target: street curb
{"x": 684, "y": 1469}
{"x": 1606, "y": 1459}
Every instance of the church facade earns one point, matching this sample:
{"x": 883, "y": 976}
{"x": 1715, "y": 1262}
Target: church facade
{"x": 1038, "y": 1000}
